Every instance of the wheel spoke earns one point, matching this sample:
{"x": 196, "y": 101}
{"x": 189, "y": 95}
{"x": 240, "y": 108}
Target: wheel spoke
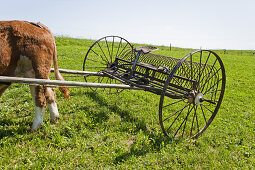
{"x": 122, "y": 50}
{"x": 108, "y": 48}
{"x": 99, "y": 56}
{"x": 205, "y": 64}
{"x": 200, "y": 60}
{"x": 176, "y": 118}
{"x": 191, "y": 68}
{"x": 207, "y": 108}
{"x": 209, "y": 72}
{"x": 203, "y": 113}
{"x": 176, "y": 113}
{"x": 112, "y": 48}
{"x": 99, "y": 81}
{"x": 197, "y": 119}
{"x": 210, "y": 101}
{"x": 206, "y": 69}
{"x": 193, "y": 121}
{"x": 174, "y": 102}
{"x": 119, "y": 47}
{"x": 106, "y": 83}
{"x": 107, "y": 61}
{"x": 184, "y": 121}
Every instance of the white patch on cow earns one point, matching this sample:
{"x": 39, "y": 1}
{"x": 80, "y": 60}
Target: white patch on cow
{"x": 24, "y": 68}
{"x": 38, "y": 120}
{"x": 39, "y": 112}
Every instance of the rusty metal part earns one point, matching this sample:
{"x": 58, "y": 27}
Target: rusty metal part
{"x": 191, "y": 115}
{"x": 101, "y": 56}
{"x": 191, "y": 89}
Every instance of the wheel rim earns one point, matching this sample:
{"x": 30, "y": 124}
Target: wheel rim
{"x": 198, "y": 102}
{"x": 101, "y": 57}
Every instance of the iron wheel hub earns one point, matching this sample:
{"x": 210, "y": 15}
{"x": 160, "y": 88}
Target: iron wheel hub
{"x": 195, "y": 97}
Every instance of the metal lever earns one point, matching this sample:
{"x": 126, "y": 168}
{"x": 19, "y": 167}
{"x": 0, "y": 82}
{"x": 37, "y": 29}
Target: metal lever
{"x": 135, "y": 62}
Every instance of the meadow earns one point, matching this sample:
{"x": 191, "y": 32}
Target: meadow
{"x": 121, "y": 131}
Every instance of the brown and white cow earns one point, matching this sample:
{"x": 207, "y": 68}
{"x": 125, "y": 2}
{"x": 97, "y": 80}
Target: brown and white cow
{"x": 28, "y": 50}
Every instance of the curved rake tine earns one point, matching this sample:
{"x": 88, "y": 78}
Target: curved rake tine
{"x": 207, "y": 80}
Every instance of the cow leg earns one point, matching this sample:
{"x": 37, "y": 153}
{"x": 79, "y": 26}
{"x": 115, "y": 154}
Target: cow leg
{"x": 52, "y": 104}
{"x": 3, "y": 87}
{"x": 39, "y": 100}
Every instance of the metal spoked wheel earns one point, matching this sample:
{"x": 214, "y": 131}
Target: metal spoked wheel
{"x": 101, "y": 58}
{"x": 198, "y": 82}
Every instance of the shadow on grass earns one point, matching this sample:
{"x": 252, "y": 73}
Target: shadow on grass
{"x": 155, "y": 144}
{"x": 156, "y": 141}
{"x": 11, "y": 131}
{"x": 124, "y": 114}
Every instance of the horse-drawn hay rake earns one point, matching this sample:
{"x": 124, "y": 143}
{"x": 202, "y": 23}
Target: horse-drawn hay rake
{"x": 191, "y": 88}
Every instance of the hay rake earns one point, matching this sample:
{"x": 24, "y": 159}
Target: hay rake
{"x": 191, "y": 89}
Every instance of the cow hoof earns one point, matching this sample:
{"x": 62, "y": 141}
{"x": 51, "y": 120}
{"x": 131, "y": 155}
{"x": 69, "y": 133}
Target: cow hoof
{"x": 54, "y": 120}
{"x": 35, "y": 127}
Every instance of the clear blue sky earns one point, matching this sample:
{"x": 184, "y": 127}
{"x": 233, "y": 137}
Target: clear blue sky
{"x": 210, "y": 24}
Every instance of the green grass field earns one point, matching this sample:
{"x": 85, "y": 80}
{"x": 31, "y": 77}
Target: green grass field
{"x": 118, "y": 131}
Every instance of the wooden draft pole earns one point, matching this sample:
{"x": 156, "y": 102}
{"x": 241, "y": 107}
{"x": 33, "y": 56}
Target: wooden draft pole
{"x": 33, "y": 81}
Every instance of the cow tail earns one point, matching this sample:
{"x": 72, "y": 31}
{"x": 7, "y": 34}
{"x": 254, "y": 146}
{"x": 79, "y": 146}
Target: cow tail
{"x": 58, "y": 76}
